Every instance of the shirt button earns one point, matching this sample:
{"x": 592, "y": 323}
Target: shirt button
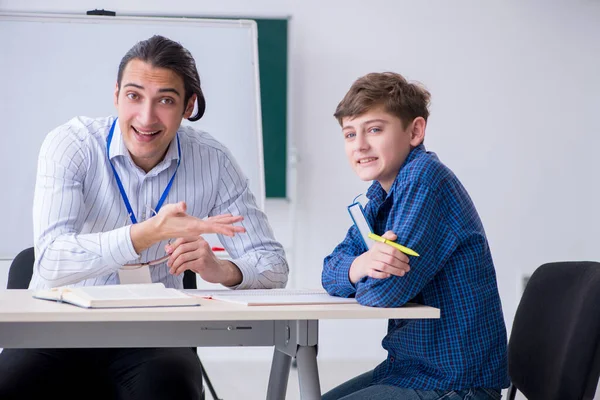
{"x": 391, "y": 359}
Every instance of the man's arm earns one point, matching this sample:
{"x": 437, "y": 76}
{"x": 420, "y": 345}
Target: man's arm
{"x": 258, "y": 256}
{"x": 63, "y": 256}
{"x": 418, "y": 222}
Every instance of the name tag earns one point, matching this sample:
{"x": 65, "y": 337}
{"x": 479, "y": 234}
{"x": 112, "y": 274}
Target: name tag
{"x": 138, "y": 275}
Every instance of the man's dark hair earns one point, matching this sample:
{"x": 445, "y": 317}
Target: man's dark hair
{"x": 161, "y": 52}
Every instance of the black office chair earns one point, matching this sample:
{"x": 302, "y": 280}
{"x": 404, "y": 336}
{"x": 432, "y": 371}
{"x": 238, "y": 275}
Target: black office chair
{"x": 554, "y": 347}
{"x": 19, "y": 276}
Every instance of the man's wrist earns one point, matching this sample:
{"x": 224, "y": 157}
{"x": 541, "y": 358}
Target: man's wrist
{"x": 144, "y": 235}
{"x": 232, "y": 274}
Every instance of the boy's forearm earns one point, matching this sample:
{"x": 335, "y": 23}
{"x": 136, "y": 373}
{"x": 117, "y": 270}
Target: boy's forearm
{"x": 335, "y": 278}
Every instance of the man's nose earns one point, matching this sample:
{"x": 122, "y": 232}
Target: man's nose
{"x": 147, "y": 115}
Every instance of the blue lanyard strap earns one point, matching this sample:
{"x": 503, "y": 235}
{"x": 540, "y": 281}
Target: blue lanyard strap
{"x": 120, "y": 184}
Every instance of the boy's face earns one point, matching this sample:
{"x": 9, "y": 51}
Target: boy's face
{"x": 377, "y": 144}
{"x": 150, "y": 104}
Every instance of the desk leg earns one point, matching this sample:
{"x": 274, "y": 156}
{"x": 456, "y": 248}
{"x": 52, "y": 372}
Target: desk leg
{"x": 308, "y": 373}
{"x": 280, "y": 372}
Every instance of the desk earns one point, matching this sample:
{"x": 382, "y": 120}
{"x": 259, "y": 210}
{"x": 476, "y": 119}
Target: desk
{"x": 26, "y": 322}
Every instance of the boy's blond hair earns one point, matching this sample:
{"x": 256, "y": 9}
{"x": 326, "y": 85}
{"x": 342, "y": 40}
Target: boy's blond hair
{"x": 399, "y": 97}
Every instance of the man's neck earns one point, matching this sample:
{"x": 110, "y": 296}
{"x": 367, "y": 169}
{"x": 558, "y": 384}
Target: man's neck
{"x": 146, "y": 164}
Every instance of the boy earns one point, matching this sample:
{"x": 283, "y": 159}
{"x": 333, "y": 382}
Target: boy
{"x": 418, "y": 202}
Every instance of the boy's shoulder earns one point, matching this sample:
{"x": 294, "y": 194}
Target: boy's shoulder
{"x": 425, "y": 168}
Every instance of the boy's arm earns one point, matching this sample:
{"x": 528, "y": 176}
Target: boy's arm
{"x": 418, "y": 221}
{"x": 336, "y": 267}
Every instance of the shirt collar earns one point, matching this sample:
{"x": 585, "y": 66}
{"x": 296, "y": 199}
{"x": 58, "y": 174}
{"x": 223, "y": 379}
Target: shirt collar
{"x": 117, "y": 145}
{"x": 376, "y": 192}
{"x": 118, "y": 148}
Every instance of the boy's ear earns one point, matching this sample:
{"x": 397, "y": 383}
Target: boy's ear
{"x": 417, "y": 133}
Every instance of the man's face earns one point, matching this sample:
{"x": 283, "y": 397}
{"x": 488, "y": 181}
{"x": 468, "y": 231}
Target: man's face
{"x": 150, "y": 105}
{"x": 377, "y": 145}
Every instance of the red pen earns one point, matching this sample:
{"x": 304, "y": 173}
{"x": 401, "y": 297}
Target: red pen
{"x": 218, "y": 249}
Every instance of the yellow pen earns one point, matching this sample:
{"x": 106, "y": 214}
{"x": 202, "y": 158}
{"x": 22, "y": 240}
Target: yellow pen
{"x": 395, "y": 245}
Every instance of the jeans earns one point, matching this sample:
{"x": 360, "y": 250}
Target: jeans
{"x": 359, "y": 388}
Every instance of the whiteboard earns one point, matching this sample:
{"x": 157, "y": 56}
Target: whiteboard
{"x": 55, "y": 67}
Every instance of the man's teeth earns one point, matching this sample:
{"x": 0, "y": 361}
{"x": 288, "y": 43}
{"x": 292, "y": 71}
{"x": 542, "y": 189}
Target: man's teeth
{"x": 366, "y": 160}
{"x": 145, "y": 133}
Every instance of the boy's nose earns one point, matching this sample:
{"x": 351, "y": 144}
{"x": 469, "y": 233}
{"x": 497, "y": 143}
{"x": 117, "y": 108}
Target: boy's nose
{"x": 360, "y": 143}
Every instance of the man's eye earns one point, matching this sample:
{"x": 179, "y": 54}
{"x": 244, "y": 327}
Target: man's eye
{"x": 132, "y": 96}
{"x": 167, "y": 101}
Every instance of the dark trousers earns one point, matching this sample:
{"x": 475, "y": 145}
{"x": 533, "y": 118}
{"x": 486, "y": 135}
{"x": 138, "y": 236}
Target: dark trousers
{"x": 117, "y": 373}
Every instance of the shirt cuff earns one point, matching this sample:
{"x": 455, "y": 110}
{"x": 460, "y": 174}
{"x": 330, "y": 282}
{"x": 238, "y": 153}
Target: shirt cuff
{"x": 345, "y": 288}
{"x": 117, "y": 246}
{"x": 249, "y": 275}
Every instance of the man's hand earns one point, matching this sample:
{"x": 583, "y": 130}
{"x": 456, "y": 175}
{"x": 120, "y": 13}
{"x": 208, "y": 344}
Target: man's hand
{"x": 172, "y": 222}
{"x": 380, "y": 262}
{"x": 195, "y": 254}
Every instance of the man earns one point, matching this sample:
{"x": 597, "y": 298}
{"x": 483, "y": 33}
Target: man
{"x": 123, "y": 200}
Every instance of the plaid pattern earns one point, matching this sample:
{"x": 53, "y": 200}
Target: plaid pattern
{"x": 431, "y": 212}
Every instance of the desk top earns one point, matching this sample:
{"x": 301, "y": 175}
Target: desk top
{"x": 20, "y": 306}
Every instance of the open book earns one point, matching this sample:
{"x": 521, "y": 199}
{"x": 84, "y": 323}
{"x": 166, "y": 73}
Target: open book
{"x": 115, "y": 296}
{"x": 272, "y": 297}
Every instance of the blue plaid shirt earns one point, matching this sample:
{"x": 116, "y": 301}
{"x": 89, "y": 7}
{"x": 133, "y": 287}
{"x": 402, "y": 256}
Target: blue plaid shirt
{"x": 431, "y": 212}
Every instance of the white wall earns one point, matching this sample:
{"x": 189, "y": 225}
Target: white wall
{"x": 515, "y": 89}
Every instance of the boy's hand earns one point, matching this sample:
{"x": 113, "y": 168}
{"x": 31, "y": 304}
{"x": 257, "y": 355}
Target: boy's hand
{"x": 380, "y": 262}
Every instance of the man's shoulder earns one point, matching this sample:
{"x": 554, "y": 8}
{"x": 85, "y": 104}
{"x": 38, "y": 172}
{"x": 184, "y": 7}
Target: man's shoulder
{"x": 82, "y": 128}
{"x": 198, "y": 138}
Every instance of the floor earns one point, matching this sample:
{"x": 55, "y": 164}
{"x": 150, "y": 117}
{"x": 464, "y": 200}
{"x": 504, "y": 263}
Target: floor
{"x": 251, "y": 377}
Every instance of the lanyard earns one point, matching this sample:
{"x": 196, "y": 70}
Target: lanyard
{"x": 122, "y": 190}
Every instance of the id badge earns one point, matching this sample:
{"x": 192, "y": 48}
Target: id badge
{"x": 138, "y": 275}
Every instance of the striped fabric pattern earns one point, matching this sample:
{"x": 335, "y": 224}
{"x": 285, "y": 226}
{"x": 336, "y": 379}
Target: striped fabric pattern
{"x": 431, "y": 212}
{"x": 81, "y": 225}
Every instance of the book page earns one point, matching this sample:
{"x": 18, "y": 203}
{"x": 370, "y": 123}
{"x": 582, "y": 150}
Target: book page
{"x": 126, "y": 292}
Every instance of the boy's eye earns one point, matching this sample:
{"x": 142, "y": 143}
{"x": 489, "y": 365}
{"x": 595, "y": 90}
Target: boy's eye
{"x": 374, "y": 130}
{"x": 349, "y": 135}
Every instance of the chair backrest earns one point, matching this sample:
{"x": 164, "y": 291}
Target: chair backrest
{"x": 21, "y": 270}
{"x": 554, "y": 350}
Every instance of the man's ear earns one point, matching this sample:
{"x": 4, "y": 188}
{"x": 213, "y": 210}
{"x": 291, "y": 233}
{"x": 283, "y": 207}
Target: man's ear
{"x": 116, "y": 98}
{"x": 417, "y": 131}
{"x": 189, "y": 108}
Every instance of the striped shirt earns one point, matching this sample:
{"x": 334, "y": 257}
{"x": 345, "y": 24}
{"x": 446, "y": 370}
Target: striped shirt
{"x": 81, "y": 225}
{"x": 431, "y": 212}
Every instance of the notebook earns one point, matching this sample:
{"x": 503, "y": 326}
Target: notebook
{"x": 358, "y": 217}
{"x": 273, "y": 297}
{"x": 117, "y": 296}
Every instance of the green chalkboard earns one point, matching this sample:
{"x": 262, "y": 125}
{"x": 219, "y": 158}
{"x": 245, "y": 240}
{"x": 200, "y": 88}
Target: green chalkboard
{"x": 272, "y": 59}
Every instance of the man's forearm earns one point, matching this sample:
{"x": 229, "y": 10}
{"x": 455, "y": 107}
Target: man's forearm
{"x": 232, "y": 274}
{"x": 144, "y": 235}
